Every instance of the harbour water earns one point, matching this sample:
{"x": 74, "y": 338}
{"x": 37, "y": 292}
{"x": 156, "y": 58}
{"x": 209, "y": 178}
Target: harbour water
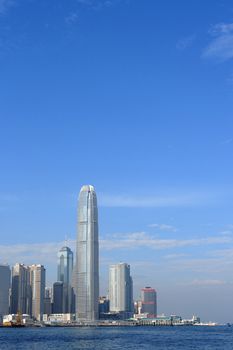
{"x": 116, "y": 338}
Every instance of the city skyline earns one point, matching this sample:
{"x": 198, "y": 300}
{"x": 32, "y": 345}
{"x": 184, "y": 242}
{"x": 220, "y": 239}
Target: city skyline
{"x": 134, "y": 97}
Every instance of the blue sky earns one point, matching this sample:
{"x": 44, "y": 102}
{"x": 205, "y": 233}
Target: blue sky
{"x": 136, "y": 98}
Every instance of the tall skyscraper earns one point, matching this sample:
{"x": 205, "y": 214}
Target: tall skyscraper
{"x": 58, "y": 293}
{"x": 149, "y": 302}
{"x": 64, "y": 274}
{"x": 120, "y": 289}
{"x": 37, "y": 281}
{"x": 27, "y": 290}
{"x": 5, "y": 276}
{"x": 87, "y": 266}
{"x": 65, "y": 265}
{"x": 20, "y": 290}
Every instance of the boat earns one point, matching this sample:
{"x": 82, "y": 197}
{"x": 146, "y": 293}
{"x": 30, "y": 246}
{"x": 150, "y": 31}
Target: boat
{"x": 15, "y": 323}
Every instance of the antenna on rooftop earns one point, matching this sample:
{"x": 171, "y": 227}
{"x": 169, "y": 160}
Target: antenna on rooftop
{"x": 66, "y": 240}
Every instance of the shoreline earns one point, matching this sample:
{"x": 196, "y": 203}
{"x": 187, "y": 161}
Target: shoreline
{"x": 115, "y": 325}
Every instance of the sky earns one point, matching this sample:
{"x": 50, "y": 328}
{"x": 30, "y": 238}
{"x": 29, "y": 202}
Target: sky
{"x": 136, "y": 98}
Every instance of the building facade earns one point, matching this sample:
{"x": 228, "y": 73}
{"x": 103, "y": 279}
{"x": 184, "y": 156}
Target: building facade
{"x": 21, "y": 290}
{"x": 27, "y": 290}
{"x": 37, "y": 282}
{"x": 58, "y": 299}
{"x": 121, "y": 289}
{"x": 149, "y": 302}
{"x": 64, "y": 274}
{"x": 48, "y": 301}
{"x": 87, "y": 267}
{"x": 103, "y": 307}
{"x": 5, "y": 277}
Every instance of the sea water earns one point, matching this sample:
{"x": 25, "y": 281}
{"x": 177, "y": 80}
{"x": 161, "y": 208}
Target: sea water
{"x": 116, "y": 338}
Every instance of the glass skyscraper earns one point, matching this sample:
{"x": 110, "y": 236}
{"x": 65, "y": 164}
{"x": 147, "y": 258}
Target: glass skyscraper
{"x": 87, "y": 280}
{"x": 121, "y": 289}
{"x": 65, "y": 265}
{"x": 64, "y": 274}
{"x": 21, "y": 293}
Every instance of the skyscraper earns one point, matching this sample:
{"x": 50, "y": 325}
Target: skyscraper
{"x": 64, "y": 274}
{"x": 5, "y": 275}
{"x": 149, "y": 302}
{"x": 37, "y": 281}
{"x": 27, "y": 290}
{"x": 87, "y": 280}
{"x": 20, "y": 290}
{"x": 48, "y": 301}
{"x": 65, "y": 265}
{"x": 121, "y": 289}
{"x": 58, "y": 293}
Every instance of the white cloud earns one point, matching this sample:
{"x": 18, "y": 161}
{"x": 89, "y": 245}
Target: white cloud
{"x": 163, "y": 227}
{"x": 185, "y": 42}
{"x": 221, "y": 46}
{"x": 42, "y": 253}
{"x": 97, "y": 4}
{"x": 45, "y": 253}
{"x": 175, "y": 256}
{"x": 226, "y": 233}
{"x": 71, "y": 18}
{"x": 222, "y": 28}
{"x": 226, "y": 254}
{"x": 143, "y": 240}
{"x": 204, "y": 283}
{"x": 188, "y": 199}
{"x": 212, "y": 264}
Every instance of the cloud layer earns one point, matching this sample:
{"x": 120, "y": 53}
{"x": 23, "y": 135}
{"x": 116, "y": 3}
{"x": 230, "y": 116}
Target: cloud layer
{"x": 144, "y": 240}
{"x": 221, "y": 45}
{"x": 163, "y": 227}
{"x": 46, "y": 252}
{"x": 175, "y": 200}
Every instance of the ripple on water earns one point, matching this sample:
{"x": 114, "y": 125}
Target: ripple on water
{"x": 117, "y": 338}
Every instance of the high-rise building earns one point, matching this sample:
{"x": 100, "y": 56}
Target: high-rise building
{"x": 87, "y": 266}
{"x": 27, "y": 290}
{"x": 37, "y": 281}
{"x": 48, "y": 301}
{"x": 65, "y": 265}
{"x": 149, "y": 302}
{"x": 120, "y": 289}
{"x": 20, "y": 290}
{"x": 58, "y": 291}
{"x": 64, "y": 274}
{"x": 5, "y": 276}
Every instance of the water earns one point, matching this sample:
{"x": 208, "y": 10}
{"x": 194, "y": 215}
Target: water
{"x": 143, "y": 338}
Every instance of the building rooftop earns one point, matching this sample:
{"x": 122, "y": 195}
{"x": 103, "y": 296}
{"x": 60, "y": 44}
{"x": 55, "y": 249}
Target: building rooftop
{"x": 87, "y": 188}
{"x": 65, "y": 249}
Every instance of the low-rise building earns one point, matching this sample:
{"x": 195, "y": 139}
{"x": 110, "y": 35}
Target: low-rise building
{"x": 58, "y": 318}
